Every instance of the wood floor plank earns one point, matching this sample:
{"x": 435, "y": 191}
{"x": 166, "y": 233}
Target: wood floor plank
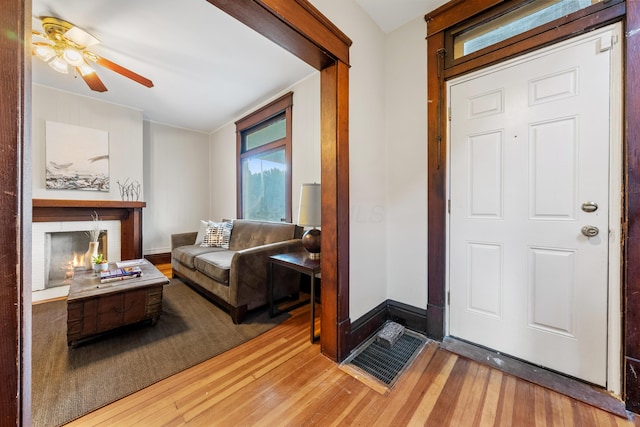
{"x": 281, "y": 379}
{"x": 492, "y": 396}
{"x": 334, "y": 411}
{"x": 541, "y": 409}
{"x": 474, "y": 405}
{"x": 266, "y": 394}
{"x": 505, "y": 405}
{"x": 443, "y": 363}
{"x": 406, "y": 393}
{"x": 444, "y": 409}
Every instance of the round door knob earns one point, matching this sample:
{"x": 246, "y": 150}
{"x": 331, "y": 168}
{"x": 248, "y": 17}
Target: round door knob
{"x": 590, "y": 230}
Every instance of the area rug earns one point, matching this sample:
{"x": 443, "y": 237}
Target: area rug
{"x": 71, "y": 382}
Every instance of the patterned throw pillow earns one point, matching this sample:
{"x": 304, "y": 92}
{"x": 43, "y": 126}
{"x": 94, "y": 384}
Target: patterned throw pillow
{"x": 217, "y": 235}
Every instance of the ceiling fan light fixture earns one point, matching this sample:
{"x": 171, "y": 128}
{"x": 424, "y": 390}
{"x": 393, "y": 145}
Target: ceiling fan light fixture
{"x": 85, "y": 69}
{"x": 66, "y": 44}
{"x": 59, "y": 65}
{"x": 72, "y": 56}
{"x": 44, "y": 52}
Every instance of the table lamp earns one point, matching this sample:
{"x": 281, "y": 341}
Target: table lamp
{"x": 309, "y": 215}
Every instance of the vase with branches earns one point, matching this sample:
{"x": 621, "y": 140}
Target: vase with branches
{"x": 94, "y": 235}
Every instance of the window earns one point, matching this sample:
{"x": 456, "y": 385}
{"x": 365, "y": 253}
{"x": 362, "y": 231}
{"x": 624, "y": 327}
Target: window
{"x": 527, "y": 16}
{"x": 264, "y": 162}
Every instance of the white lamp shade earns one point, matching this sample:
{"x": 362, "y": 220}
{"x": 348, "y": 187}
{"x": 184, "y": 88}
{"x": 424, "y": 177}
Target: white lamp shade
{"x": 309, "y": 212}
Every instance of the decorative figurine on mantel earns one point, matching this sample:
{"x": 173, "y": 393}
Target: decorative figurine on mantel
{"x": 129, "y": 191}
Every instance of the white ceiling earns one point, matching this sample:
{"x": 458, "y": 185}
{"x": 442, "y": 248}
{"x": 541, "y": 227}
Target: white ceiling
{"x": 207, "y": 68}
{"x": 391, "y": 14}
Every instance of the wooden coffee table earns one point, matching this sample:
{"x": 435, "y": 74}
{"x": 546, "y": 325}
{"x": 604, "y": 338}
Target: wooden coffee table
{"x": 94, "y": 308}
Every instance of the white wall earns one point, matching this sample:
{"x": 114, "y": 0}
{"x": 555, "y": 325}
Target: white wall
{"x": 406, "y": 112}
{"x": 305, "y": 150}
{"x": 176, "y": 179}
{"x": 171, "y": 164}
{"x": 222, "y": 173}
{"x": 123, "y": 124}
{"x": 368, "y": 190}
{"x": 388, "y": 159}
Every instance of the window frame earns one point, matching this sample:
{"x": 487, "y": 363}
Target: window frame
{"x": 549, "y": 33}
{"x": 257, "y": 119}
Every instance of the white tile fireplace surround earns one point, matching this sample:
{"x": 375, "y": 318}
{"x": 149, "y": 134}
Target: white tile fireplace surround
{"x": 41, "y": 232}
{"x": 122, "y": 219}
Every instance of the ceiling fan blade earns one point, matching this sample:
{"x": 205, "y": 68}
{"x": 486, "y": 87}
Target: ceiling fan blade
{"x": 93, "y": 81}
{"x": 119, "y": 69}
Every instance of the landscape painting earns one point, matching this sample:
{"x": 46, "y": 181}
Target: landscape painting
{"x": 77, "y": 157}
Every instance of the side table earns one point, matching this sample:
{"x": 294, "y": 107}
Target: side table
{"x": 302, "y": 263}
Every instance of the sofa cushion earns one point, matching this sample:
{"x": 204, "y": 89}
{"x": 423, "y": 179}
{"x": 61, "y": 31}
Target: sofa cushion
{"x": 186, "y": 254}
{"x": 215, "y": 265}
{"x": 218, "y": 234}
{"x": 249, "y": 234}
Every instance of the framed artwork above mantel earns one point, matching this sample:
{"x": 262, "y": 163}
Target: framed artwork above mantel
{"x": 77, "y": 158}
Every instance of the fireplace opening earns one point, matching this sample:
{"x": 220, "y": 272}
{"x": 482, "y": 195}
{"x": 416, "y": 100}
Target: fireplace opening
{"x": 65, "y": 252}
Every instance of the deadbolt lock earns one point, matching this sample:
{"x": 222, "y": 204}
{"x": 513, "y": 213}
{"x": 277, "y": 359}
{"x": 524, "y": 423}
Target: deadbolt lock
{"x": 589, "y": 207}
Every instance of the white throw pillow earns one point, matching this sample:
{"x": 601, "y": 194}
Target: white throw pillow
{"x": 202, "y": 229}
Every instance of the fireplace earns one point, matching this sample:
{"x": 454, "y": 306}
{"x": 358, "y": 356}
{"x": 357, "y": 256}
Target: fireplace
{"x": 60, "y": 225}
{"x": 58, "y": 249}
{"x": 65, "y": 251}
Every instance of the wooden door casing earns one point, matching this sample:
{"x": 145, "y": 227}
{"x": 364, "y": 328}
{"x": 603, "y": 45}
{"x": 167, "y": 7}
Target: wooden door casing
{"x": 456, "y": 12}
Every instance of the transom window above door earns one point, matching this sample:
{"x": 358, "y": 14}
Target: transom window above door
{"x": 514, "y": 21}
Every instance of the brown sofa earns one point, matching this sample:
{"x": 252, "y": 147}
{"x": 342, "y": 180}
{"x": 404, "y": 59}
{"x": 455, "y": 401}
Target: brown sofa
{"x": 237, "y": 278}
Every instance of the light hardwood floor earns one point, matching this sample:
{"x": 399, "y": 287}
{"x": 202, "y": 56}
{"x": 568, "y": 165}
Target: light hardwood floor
{"x": 281, "y": 379}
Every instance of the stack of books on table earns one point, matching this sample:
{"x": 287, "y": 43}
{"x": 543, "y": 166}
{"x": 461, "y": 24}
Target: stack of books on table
{"x": 120, "y": 274}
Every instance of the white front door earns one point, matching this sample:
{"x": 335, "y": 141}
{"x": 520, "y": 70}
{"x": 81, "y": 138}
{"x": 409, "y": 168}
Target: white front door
{"x": 529, "y": 168}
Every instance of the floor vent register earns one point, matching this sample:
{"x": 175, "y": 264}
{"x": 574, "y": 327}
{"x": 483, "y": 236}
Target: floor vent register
{"x": 386, "y": 355}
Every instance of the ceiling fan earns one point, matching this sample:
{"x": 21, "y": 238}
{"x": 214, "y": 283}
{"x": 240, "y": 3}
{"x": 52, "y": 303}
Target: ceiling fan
{"x": 63, "y": 44}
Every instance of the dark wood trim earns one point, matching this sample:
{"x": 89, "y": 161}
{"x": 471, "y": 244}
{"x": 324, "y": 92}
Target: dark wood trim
{"x": 317, "y": 28}
{"x": 93, "y": 204}
{"x": 452, "y": 14}
{"x": 128, "y": 213}
{"x": 632, "y": 387}
{"x": 407, "y": 315}
{"x": 295, "y": 25}
{"x": 410, "y": 317}
{"x": 368, "y": 324}
{"x": 334, "y": 101}
{"x": 15, "y": 215}
{"x": 157, "y": 259}
{"x": 265, "y": 112}
{"x": 436, "y": 203}
{"x": 631, "y": 283}
{"x": 274, "y": 109}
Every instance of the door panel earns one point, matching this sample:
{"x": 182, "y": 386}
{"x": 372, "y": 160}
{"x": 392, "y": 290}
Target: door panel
{"x": 529, "y": 145}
